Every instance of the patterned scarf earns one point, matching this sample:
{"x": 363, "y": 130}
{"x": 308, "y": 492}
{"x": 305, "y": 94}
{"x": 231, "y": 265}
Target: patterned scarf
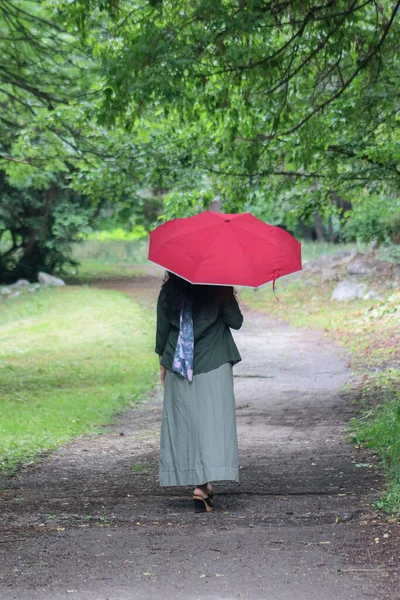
{"x": 184, "y": 351}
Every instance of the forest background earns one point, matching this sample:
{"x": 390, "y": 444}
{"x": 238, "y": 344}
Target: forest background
{"x": 124, "y": 113}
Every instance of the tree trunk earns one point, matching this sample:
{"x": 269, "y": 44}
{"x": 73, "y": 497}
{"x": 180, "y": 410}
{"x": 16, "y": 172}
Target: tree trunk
{"x": 318, "y": 226}
{"x": 33, "y": 257}
{"x": 331, "y": 234}
{"x": 216, "y": 204}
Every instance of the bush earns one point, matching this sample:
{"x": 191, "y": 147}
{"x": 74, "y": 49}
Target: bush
{"x": 374, "y": 218}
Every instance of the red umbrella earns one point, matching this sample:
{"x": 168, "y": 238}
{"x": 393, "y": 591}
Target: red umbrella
{"x": 220, "y": 249}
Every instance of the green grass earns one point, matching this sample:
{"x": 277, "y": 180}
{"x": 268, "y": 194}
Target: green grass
{"x": 370, "y": 330}
{"x": 89, "y": 271}
{"x": 112, "y": 252}
{"x": 311, "y": 250}
{"x": 106, "y": 258}
{"x": 378, "y": 428}
{"x": 137, "y": 233}
{"x": 70, "y": 360}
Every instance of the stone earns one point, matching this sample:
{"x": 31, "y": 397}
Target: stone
{"x": 396, "y": 272}
{"x": 348, "y": 290}
{"x": 372, "y": 295}
{"x": 307, "y": 265}
{"x": 20, "y": 283}
{"x": 340, "y": 258}
{"x": 49, "y": 280}
{"x": 5, "y": 291}
{"x": 358, "y": 267}
{"x": 329, "y": 274}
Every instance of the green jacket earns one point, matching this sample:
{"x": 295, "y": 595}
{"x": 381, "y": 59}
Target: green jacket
{"x": 213, "y": 341}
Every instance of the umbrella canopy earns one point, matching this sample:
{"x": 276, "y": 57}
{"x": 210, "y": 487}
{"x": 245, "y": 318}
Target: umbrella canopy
{"x": 221, "y": 249}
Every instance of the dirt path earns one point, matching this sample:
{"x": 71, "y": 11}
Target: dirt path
{"x": 92, "y": 523}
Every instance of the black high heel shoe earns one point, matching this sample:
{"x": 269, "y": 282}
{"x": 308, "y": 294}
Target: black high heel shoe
{"x": 202, "y": 504}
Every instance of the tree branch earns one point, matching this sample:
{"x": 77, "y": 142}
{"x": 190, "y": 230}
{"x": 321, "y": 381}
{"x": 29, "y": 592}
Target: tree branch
{"x": 361, "y": 66}
{"x": 17, "y": 160}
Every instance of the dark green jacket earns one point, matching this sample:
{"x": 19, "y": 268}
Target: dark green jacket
{"x": 213, "y": 341}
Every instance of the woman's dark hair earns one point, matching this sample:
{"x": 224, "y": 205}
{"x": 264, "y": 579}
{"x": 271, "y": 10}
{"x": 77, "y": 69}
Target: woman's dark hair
{"x": 178, "y": 289}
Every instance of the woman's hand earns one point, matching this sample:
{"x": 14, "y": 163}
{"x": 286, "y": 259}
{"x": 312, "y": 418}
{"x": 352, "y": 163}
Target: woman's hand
{"x": 163, "y": 372}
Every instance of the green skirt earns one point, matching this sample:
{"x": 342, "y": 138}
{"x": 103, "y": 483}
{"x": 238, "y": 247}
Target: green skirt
{"x": 198, "y": 431}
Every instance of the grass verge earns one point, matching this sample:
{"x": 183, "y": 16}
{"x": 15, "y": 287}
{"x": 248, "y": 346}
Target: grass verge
{"x": 378, "y": 428}
{"x": 89, "y": 271}
{"x": 70, "y": 359}
{"x": 371, "y": 331}
{"x": 105, "y": 258}
{"x": 109, "y": 251}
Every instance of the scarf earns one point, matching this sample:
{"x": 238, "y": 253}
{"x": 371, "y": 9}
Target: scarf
{"x": 184, "y": 351}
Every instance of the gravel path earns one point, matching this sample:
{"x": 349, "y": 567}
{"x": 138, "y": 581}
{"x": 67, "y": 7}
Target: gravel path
{"x": 91, "y": 522}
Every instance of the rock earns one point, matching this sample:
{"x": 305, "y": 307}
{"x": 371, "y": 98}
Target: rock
{"x": 5, "y": 291}
{"x": 340, "y": 258}
{"x": 348, "y": 290}
{"x": 307, "y": 265}
{"x": 20, "y": 283}
{"x": 15, "y": 295}
{"x": 49, "y": 280}
{"x": 358, "y": 267}
{"x": 329, "y": 274}
{"x": 372, "y": 295}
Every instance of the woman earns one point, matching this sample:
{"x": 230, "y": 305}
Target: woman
{"x": 197, "y": 352}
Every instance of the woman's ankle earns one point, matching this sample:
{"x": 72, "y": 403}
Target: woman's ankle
{"x": 202, "y": 490}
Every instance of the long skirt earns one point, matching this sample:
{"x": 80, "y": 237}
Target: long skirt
{"x": 198, "y": 432}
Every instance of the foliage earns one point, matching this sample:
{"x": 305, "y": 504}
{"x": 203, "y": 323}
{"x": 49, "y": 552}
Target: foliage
{"x": 374, "y": 218}
{"x": 60, "y": 170}
{"x": 118, "y": 234}
{"x": 293, "y": 97}
{"x": 40, "y": 225}
{"x": 125, "y": 110}
{"x": 390, "y": 252}
{"x": 71, "y": 358}
{"x": 42, "y": 75}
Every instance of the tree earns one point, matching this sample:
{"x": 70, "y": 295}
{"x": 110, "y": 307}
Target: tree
{"x": 59, "y": 168}
{"x": 288, "y": 92}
